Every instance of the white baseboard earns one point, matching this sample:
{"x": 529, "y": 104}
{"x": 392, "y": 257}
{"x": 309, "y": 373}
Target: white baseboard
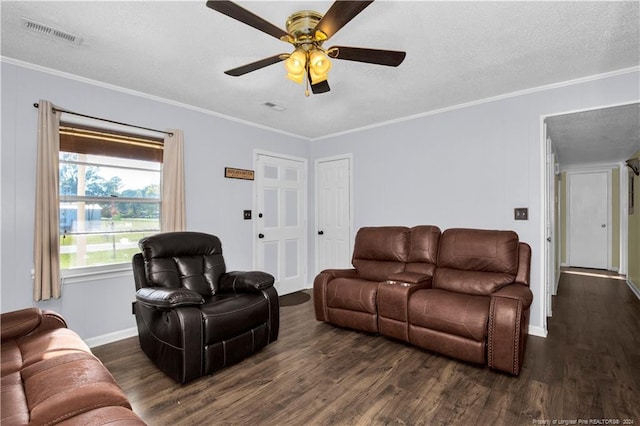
{"x": 634, "y": 288}
{"x": 537, "y": 331}
{"x": 111, "y": 337}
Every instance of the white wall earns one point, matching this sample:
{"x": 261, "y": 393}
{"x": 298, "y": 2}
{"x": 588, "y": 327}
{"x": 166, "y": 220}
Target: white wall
{"x": 468, "y": 167}
{"x": 214, "y": 204}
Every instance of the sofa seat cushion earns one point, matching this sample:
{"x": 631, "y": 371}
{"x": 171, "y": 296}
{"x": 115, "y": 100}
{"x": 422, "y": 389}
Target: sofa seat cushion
{"x": 353, "y": 294}
{"x": 61, "y": 387}
{"x": 228, "y": 315}
{"x": 463, "y": 315}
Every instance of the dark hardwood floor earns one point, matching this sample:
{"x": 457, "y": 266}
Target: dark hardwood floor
{"x": 587, "y": 370}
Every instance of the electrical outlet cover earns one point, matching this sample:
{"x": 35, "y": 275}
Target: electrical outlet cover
{"x": 521, "y": 213}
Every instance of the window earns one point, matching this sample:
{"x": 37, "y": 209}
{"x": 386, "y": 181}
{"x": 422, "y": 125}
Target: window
{"x": 109, "y": 195}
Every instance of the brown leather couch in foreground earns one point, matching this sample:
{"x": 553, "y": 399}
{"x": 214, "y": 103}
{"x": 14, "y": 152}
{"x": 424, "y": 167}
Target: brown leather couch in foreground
{"x": 49, "y": 376}
{"x": 463, "y": 293}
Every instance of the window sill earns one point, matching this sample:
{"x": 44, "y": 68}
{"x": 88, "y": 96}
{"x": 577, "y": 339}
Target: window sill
{"x": 95, "y": 273}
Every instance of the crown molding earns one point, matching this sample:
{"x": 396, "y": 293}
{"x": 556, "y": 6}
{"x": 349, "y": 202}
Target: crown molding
{"x": 509, "y": 95}
{"x": 147, "y": 96}
{"x": 488, "y": 100}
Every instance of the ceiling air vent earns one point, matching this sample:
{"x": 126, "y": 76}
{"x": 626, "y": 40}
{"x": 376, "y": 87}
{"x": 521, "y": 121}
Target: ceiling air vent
{"x": 274, "y": 107}
{"x": 51, "y": 32}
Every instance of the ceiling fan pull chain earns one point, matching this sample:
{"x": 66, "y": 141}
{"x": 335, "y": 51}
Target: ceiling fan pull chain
{"x": 306, "y": 89}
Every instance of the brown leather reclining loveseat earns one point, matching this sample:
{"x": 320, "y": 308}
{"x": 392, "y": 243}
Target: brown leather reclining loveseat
{"x": 463, "y": 293}
{"x": 49, "y": 376}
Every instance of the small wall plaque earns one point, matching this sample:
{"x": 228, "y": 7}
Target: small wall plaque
{"x": 230, "y": 172}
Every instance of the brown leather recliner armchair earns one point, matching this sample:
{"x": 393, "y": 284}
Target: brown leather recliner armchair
{"x": 193, "y": 317}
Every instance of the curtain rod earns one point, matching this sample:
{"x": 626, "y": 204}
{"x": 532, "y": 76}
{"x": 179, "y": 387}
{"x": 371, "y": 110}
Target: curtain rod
{"x": 36, "y": 105}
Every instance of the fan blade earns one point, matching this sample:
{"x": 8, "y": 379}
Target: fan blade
{"x": 244, "y": 69}
{"x": 234, "y": 11}
{"x": 322, "y": 87}
{"x": 338, "y": 15}
{"x": 391, "y": 58}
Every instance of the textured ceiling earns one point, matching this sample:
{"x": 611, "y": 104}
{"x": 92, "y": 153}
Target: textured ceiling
{"x": 457, "y": 52}
{"x": 604, "y": 136}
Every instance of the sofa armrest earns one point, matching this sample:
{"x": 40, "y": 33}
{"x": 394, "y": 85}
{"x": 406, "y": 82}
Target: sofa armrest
{"x": 139, "y": 274}
{"x": 168, "y": 298}
{"x": 524, "y": 264}
{"x": 412, "y": 278}
{"x": 25, "y": 321}
{"x": 393, "y": 303}
{"x": 518, "y": 292}
{"x": 338, "y": 273}
{"x": 320, "y": 289}
{"x": 508, "y": 328}
{"x": 245, "y": 281}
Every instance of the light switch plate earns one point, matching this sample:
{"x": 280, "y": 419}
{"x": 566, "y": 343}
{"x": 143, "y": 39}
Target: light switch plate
{"x": 521, "y": 213}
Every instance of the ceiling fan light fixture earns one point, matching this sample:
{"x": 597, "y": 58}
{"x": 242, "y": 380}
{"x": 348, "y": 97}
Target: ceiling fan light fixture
{"x": 319, "y": 62}
{"x": 317, "y": 77}
{"x": 296, "y": 65}
{"x": 298, "y": 78}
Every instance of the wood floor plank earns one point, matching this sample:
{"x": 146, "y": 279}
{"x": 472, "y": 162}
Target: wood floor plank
{"x": 317, "y": 374}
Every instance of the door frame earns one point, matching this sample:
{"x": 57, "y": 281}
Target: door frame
{"x": 551, "y": 228}
{"x": 316, "y": 163}
{"x": 623, "y": 174}
{"x": 544, "y": 200}
{"x": 587, "y": 170}
{"x": 304, "y": 214}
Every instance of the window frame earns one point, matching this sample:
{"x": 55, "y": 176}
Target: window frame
{"x": 72, "y": 135}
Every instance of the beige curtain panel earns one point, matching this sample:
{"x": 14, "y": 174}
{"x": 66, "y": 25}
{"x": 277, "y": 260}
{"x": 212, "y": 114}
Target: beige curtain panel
{"x": 173, "y": 215}
{"x": 46, "y": 242}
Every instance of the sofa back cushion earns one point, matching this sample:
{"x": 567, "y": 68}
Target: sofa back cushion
{"x": 476, "y": 261}
{"x": 423, "y": 250}
{"x": 191, "y": 260}
{"x": 381, "y": 251}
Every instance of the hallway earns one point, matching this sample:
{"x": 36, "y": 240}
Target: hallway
{"x": 591, "y": 356}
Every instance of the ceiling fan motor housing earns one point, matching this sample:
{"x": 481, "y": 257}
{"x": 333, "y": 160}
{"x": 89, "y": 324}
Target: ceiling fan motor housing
{"x": 301, "y": 26}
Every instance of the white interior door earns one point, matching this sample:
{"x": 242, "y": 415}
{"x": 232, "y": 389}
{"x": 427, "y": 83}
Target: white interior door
{"x": 281, "y": 248}
{"x": 588, "y": 216}
{"x": 333, "y": 216}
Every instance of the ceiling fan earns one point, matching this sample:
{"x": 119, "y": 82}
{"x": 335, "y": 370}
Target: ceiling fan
{"x": 307, "y": 31}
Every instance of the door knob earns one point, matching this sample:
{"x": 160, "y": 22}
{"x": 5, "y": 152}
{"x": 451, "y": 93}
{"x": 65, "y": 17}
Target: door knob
{"x": 320, "y": 232}
{"x": 260, "y": 235}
